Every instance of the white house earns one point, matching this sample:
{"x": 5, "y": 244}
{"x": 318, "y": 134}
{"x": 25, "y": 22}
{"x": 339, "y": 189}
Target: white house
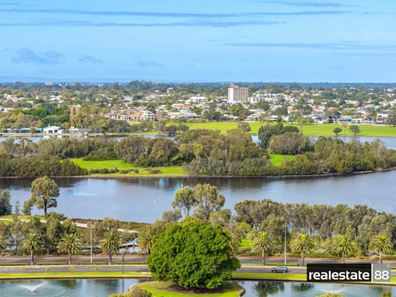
{"x": 52, "y": 130}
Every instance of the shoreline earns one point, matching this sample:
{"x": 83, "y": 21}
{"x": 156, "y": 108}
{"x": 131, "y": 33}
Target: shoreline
{"x": 157, "y": 176}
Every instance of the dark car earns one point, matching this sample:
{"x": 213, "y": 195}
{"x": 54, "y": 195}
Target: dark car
{"x": 280, "y": 269}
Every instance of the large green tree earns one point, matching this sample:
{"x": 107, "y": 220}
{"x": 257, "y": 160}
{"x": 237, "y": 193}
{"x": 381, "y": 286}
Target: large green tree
{"x": 302, "y": 244}
{"x": 5, "y": 205}
{"x": 184, "y": 200}
{"x": 110, "y": 244}
{"x": 381, "y": 244}
{"x": 44, "y": 192}
{"x": 342, "y": 246}
{"x": 70, "y": 245}
{"x": 32, "y": 244}
{"x": 193, "y": 254}
{"x": 209, "y": 199}
{"x": 262, "y": 243}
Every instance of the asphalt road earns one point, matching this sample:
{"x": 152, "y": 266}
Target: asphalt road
{"x": 137, "y": 259}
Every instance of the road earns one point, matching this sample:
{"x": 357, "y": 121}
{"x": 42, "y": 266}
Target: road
{"x": 137, "y": 259}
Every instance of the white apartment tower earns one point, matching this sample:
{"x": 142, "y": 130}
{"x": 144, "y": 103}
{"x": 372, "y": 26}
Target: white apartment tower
{"x": 237, "y": 94}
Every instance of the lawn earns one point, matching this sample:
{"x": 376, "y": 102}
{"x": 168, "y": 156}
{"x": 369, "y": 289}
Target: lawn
{"x": 71, "y": 274}
{"x": 122, "y": 165}
{"x": 278, "y": 159}
{"x": 310, "y": 130}
{"x": 269, "y": 276}
{"x": 160, "y": 289}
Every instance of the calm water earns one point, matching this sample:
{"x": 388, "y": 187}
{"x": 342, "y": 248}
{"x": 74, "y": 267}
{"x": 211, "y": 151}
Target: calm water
{"x": 103, "y": 288}
{"x": 144, "y": 199}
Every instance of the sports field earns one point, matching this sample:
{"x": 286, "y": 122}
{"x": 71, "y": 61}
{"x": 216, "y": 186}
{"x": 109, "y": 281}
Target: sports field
{"x": 310, "y": 130}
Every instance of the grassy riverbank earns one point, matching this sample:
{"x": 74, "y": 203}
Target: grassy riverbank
{"x": 122, "y": 165}
{"x": 167, "y": 290}
{"x": 310, "y": 130}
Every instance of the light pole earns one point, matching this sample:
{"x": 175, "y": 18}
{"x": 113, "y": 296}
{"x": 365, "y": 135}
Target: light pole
{"x": 123, "y": 279}
{"x": 90, "y": 238}
{"x": 285, "y": 251}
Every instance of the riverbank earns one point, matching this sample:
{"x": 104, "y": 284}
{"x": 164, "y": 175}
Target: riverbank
{"x": 306, "y": 129}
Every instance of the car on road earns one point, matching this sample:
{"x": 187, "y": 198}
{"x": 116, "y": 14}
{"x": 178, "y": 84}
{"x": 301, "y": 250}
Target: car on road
{"x": 280, "y": 269}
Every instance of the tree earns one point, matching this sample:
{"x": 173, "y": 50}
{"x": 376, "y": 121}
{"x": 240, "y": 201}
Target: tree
{"x": 44, "y": 192}
{"x": 70, "y": 245}
{"x": 386, "y": 294}
{"x": 244, "y": 126}
{"x": 110, "y": 244}
{"x": 302, "y": 244}
{"x": 289, "y": 143}
{"x": 5, "y": 204}
{"x": 184, "y": 200}
{"x": 342, "y": 246}
{"x": 146, "y": 240}
{"x": 32, "y": 244}
{"x": 337, "y": 131}
{"x": 381, "y": 244}
{"x": 263, "y": 243}
{"x": 193, "y": 254}
{"x": 209, "y": 199}
{"x": 354, "y": 129}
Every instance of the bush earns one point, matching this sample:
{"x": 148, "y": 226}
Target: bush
{"x": 193, "y": 254}
{"x": 289, "y": 143}
{"x": 134, "y": 292}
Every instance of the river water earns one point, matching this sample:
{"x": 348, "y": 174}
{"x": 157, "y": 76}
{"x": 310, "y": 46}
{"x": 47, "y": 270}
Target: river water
{"x": 144, "y": 199}
{"x": 103, "y": 288}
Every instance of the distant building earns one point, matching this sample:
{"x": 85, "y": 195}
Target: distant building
{"x": 237, "y": 94}
{"x": 198, "y": 100}
{"x": 53, "y": 130}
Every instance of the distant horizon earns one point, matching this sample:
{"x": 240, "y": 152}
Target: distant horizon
{"x": 126, "y": 81}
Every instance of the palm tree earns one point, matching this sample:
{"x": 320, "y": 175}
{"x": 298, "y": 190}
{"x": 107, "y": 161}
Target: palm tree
{"x": 302, "y": 244}
{"x": 146, "y": 240}
{"x": 343, "y": 246}
{"x": 70, "y": 244}
{"x": 381, "y": 244}
{"x": 32, "y": 243}
{"x": 263, "y": 243}
{"x": 110, "y": 244}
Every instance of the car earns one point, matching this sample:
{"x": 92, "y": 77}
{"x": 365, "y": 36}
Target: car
{"x": 280, "y": 269}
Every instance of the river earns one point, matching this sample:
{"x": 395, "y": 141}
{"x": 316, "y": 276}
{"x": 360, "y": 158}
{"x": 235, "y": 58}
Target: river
{"x": 103, "y": 288}
{"x": 144, "y": 199}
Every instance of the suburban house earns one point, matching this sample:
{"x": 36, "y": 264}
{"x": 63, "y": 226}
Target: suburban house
{"x": 53, "y": 130}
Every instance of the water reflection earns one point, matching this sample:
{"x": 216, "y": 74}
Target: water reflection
{"x": 144, "y": 199}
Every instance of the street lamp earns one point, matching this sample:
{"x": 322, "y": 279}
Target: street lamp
{"x": 285, "y": 251}
{"x": 90, "y": 238}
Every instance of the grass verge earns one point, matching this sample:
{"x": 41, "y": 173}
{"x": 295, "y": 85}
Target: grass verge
{"x": 122, "y": 165}
{"x": 161, "y": 289}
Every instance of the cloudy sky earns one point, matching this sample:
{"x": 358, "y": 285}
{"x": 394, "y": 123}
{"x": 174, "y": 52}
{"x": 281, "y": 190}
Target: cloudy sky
{"x": 198, "y": 40}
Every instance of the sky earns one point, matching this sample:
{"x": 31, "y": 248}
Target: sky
{"x": 198, "y": 40}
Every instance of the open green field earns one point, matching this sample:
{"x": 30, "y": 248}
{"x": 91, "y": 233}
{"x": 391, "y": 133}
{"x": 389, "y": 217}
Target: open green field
{"x": 160, "y": 289}
{"x": 269, "y": 276}
{"x": 310, "y": 130}
{"x": 122, "y": 165}
{"x": 278, "y": 159}
{"x": 72, "y": 275}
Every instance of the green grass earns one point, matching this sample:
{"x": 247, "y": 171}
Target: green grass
{"x": 246, "y": 244}
{"x": 278, "y": 159}
{"x": 269, "y": 276}
{"x": 71, "y": 274}
{"x": 310, "y": 130}
{"x": 161, "y": 289}
{"x": 122, "y": 165}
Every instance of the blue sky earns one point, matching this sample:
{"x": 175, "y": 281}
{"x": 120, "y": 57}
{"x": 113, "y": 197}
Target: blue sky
{"x": 198, "y": 40}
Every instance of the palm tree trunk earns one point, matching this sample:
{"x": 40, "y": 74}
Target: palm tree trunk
{"x": 343, "y": 258}
{"x": 110, "y": 259}
{"x": 31, "y": 257}
{"x": 263, "y": 257}
{"x": 70, "y": 259}
{"x": 302, "y": 259}
{"x": 380, "y": 257}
